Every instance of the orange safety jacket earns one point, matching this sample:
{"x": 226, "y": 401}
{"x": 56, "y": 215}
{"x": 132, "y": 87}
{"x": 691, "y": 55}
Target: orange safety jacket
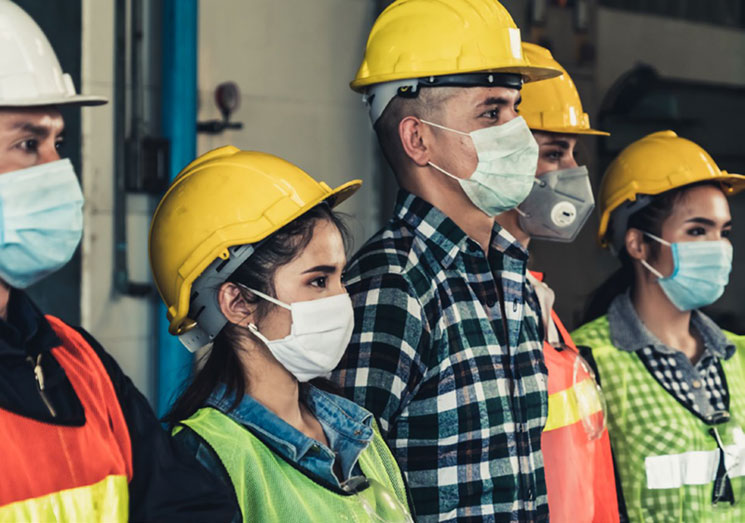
{"x": 68, "y": 473}
{"x": 580, "y": 480}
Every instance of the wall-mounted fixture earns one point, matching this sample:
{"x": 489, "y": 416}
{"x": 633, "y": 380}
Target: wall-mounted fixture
{"x": 228, "y": 99}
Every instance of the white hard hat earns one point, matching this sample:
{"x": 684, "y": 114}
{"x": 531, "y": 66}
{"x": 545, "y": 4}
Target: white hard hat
{"x": 30, "y": 74}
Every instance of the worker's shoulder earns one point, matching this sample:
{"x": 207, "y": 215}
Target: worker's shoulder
{"x": 593, "y": 334}
{"x": 392, "y": 255}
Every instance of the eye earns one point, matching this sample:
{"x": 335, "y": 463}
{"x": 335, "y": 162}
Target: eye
{"x": 319, "y": 282}
{"x": 697, "y": 231}
{"x": 30, "y": 146}
{"x": 59, "y": 144}
{"x": 726, "y": 233}
{"x": 492, "y": 114}
{"x": 553, "y": 156}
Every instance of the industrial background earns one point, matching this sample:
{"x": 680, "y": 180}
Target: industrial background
{"x": 640, "y": 66}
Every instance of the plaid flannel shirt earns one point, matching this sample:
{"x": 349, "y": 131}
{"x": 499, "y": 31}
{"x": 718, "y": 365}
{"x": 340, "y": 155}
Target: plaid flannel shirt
{"x": 458, "y": 386}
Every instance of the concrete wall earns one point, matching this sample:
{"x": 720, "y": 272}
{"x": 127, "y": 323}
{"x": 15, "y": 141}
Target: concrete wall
{"x": 293, "y": 61}
{"x": 123, "y": 325}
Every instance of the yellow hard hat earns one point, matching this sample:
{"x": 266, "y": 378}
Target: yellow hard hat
{"x": 553, "y": 105}
{"x": 431, "y": 38}
{"x": 223, "y": 199}
{"x": 655, "y": 164}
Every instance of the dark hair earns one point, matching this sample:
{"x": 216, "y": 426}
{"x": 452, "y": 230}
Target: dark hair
{"x": 221, "y": 363}
{"x": 648, "y": 219}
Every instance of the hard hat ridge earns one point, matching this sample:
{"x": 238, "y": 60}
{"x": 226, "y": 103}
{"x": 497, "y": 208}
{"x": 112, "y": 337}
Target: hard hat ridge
{"x": 30, "y": 74}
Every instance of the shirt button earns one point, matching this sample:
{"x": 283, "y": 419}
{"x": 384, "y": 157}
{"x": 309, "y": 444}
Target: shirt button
{"x": 491, "y": 302}
{"x": 696, "y": 384}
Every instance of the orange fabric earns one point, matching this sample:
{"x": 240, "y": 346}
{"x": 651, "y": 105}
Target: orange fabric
{"x": 580, "y": 482}
{"x": 38, "y": 458}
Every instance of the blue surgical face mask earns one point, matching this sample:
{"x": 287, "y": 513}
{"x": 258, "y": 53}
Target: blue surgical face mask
{"x": 700, "y": 273}
{"x": 41, "y": 221}
{"x": 507, "y": 159}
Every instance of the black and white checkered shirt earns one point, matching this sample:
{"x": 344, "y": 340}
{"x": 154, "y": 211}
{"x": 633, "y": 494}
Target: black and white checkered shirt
{"x": 700, "y": 386}
{"x": 447, "y": 352}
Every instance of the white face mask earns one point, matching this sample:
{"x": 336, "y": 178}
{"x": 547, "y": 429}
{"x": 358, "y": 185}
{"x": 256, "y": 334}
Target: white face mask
{"x": 507, "y": 161}
{"x": 321, "y": 330}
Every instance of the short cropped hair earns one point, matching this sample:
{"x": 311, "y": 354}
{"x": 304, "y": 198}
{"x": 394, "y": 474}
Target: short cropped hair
{"x": 427, "y": 105}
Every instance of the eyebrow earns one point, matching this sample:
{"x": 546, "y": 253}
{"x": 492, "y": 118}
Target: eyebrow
{"x": 40, "y": 131}
{"x": 564, "y": 144}
{"x": 326, "y": 269}
{"x": 706, "y": 221}
{"x": 499, "y": 100}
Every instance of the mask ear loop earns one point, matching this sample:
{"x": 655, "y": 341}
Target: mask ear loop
{"x": 443, "y": 171}
{"x": 644, "y": 262}
{"x": 252, "y": 327}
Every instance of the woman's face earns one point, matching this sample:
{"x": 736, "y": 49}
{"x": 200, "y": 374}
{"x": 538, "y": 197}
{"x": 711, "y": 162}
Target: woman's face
{"x": 701, "y": 214}
{"x": 316, "y": 273}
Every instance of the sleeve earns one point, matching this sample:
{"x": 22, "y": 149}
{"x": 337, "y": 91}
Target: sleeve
{"x": 168, "y": 484}
{"x": 384, "y": 363}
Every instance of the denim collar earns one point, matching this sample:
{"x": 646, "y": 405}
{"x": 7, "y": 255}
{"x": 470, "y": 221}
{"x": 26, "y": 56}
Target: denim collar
{"x": 445, "y": 239}
{"x": 629, "y": 333}
{"x": 348, "y": 427}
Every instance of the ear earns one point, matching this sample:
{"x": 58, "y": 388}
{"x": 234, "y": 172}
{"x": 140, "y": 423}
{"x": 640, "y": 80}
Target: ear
{"x": 410, "y": 131}
{"x": 635, "y": 244}
{"x": 233, "y": 306}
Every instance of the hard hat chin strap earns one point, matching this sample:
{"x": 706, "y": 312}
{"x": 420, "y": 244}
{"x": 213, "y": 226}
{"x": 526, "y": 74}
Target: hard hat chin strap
{"x": 378, "y": 96}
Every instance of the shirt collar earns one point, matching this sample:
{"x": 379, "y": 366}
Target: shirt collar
{"x": 444, "y": 236}
{"x": 629, "y": 333}
{"x": 341, "y": 415}
{"x": 25, "y": 327}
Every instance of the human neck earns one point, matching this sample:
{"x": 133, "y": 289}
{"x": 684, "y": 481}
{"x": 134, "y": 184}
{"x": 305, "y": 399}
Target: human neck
{"x": 276, "y": 389}
{"x": 451, "y": 200}
{"x": 4, "y": 299}
{"x": 510, "y": 221}
{"x": 663, "y": 319}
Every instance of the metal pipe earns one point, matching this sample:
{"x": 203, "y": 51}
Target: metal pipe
{"x": 179, "y": 125}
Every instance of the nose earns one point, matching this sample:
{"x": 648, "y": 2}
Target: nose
{"x": 508, "y": 114}
{"x": 48, "y": 153}
{"x": 569, "y": 163}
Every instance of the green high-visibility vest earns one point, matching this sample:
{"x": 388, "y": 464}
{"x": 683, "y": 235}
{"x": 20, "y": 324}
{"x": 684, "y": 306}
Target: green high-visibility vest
{"x": 269, "y": 489}
{"x": 665, "y": 455}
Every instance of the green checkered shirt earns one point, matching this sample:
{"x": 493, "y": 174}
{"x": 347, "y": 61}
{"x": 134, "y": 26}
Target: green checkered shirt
{"x": 459, "y": 386}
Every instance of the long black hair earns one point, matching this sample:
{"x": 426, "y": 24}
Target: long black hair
{"x": 221, "y": 363}
{"x": 648, "y": 219}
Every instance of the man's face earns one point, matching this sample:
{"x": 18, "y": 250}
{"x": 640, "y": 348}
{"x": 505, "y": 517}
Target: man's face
{"x": 29, "y": 136}
{"x": 555, "y": 151}
{"x": 470, "y": 109}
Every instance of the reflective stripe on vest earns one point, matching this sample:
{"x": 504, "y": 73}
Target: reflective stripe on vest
{"x": 563, "y": 407}
{"x": 268, "y": 488}
{"x": 695, "y": 467}
{"x": 62, "y": 473}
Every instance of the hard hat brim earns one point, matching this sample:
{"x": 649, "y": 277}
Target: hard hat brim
{"x": 76, "y": 100}
{"x": 570, "y": 130}
{"x": 528, "y": 72}
{"x": 341, "y": 193}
